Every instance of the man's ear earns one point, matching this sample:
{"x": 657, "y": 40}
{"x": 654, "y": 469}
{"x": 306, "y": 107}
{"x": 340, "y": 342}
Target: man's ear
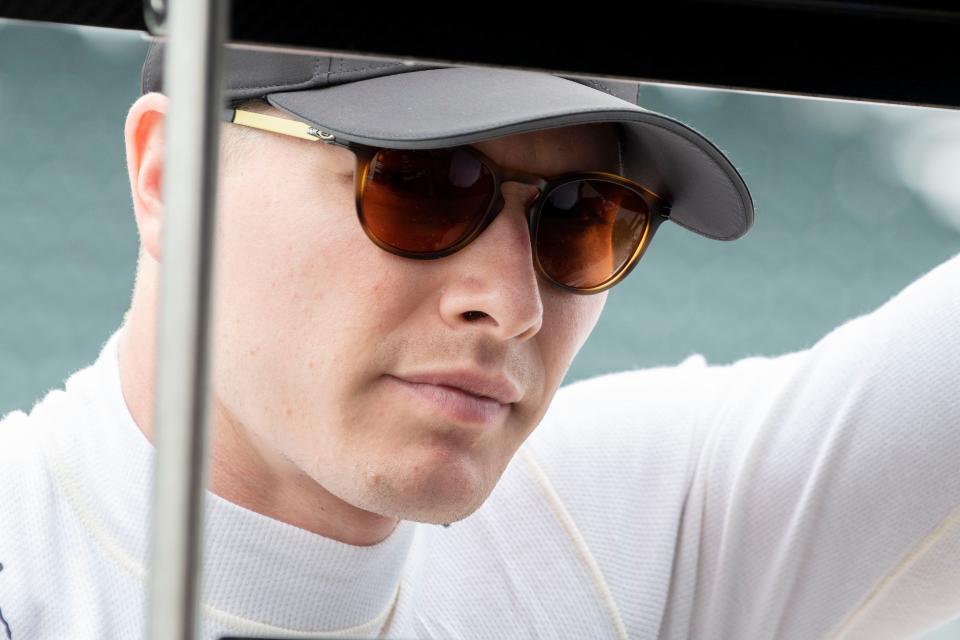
{"x": 144, "y": 138}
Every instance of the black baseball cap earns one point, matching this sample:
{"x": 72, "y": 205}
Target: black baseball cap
{"x": 415, "y": 105}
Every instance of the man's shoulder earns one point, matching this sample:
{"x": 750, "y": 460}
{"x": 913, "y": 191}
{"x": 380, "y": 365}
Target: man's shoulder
{"x": 24, "y": 437}
{"x": 615, "y": 453}
{"x": 27, "y": 443}
{"x": 608, "y": 433}
{"x": 62, "y": 406}
{"x": 23, "y": 432}
{"x": 616, "y": 401}
{"x": 19, "y": 440}
{"x": 38, "y": 540}
{"x": 27, "y": 491}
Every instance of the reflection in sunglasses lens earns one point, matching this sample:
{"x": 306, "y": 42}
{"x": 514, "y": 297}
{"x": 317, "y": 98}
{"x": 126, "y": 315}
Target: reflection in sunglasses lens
{"x": 425, "y": 200}
{"x": 588, "y": 230}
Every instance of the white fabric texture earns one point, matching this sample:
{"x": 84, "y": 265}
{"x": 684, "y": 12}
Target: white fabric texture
{"x": 812, "y": 494}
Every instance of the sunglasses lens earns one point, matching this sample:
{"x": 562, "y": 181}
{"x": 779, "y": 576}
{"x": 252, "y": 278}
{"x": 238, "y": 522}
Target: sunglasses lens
{"x": 588, "y": 231}
{"x": 425, "y": 200}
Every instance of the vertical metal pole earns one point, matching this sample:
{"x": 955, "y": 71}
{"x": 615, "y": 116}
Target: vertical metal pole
{"x": 191, "y": 72}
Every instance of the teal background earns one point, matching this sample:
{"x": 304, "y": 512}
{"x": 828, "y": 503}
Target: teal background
{"x": 839, "y": 228}
{"x": 68, "y": 245}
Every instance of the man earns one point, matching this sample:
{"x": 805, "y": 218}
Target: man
{"x": 408, "y": 260}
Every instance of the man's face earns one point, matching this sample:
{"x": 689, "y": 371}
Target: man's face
{"x": 320, "y": 333}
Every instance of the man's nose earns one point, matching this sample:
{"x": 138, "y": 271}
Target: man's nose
{"x": 492, "y": 283}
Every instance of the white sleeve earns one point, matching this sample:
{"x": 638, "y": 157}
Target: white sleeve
{"x": 824, "y": 499}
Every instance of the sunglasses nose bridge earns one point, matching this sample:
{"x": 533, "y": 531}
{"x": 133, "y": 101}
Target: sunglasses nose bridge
{"x": 525, "y": 178}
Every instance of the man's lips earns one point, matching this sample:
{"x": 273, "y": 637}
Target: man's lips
{"x": 462, "y": 396}
{"x": 474, "y": 383}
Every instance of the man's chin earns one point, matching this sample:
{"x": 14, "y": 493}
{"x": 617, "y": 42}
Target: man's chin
{"x": 440, "y": 497}
{"x": 434, "y": 514}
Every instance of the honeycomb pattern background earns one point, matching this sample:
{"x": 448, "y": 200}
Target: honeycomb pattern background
{"x": 852, "y": 204}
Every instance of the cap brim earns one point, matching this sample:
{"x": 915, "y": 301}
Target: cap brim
{"x": 452, "y": 106}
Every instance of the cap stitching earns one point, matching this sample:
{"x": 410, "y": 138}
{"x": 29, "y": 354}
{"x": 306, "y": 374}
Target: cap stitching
{"x": 149, "y": 79}
{"x": 149, "y": 82}
{"x": 316, "y": 67}
{"x": 596, "y": 85}
{"x": 300, "y": 83}
{"x": 306, "y": 83}
{"x": 272, "y": 86}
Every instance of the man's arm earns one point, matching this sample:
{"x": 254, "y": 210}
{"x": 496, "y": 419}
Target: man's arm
{"x": 824, "y": 497}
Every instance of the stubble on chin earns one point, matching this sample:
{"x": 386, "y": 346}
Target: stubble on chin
{"x": 422, "y": 489}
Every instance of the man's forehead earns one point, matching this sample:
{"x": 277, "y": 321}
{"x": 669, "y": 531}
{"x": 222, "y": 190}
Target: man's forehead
{"x": 593, "y": 146}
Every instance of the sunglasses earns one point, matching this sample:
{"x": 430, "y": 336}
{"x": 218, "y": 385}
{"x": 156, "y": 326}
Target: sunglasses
{"x": 588, "y": 229}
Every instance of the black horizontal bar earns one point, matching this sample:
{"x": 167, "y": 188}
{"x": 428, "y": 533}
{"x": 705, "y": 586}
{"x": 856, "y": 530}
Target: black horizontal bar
{"x": 871, "y": 50}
